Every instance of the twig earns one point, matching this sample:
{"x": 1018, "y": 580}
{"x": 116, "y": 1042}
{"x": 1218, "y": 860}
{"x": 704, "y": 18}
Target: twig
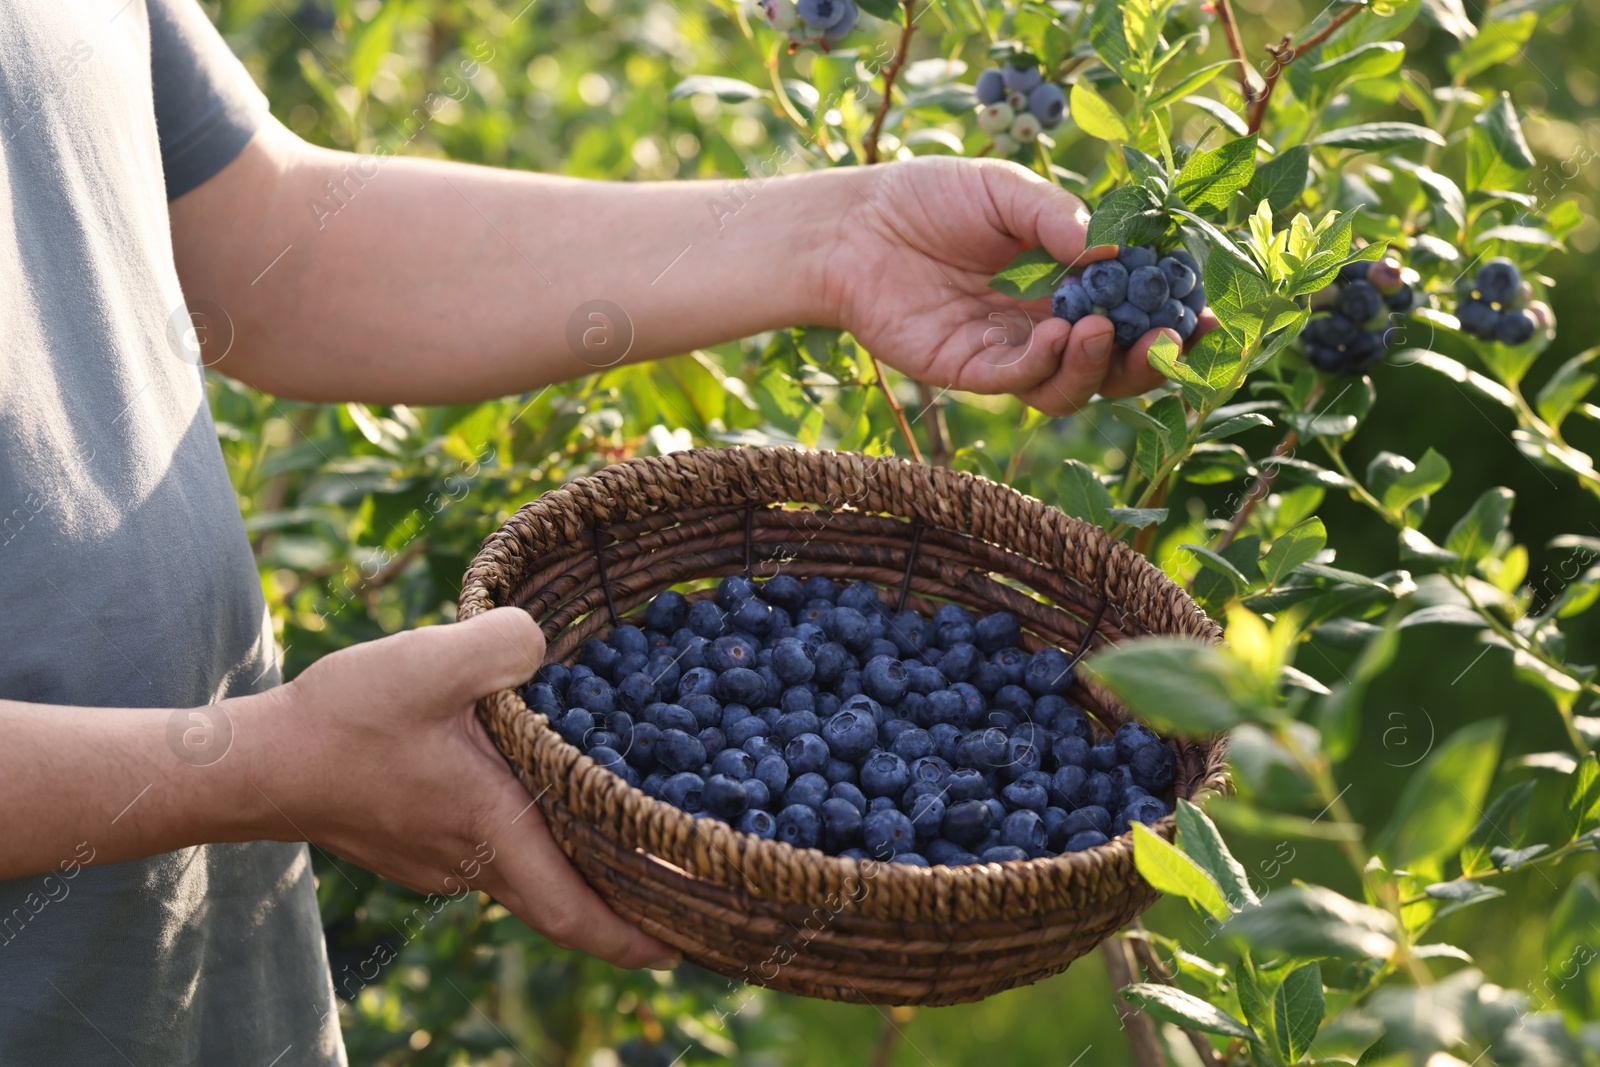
{"x": 1230, "y": 31}
{"x": 1264, "y": 480}
{"x": 898, "y": 411}
{"x": 1285, "y": 53}
{"x": 1141, "y": 1031}
{"x": 1147, "y": 534}
{"x": 1152, "y": 968}
{"x": 938, "y": 432}
{"x": 870, "y": 149}
{"x": 888, "y": 1039}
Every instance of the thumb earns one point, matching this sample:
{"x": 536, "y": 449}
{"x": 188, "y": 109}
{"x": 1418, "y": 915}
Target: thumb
{"x": 1038, "y": 212}
{"x": 498, "y": 649}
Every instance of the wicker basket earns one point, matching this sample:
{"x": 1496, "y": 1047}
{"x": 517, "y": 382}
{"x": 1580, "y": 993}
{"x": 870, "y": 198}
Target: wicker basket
{"x": 761, "y": 911}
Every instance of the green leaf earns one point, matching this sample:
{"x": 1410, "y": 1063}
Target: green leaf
{"x": 1095, "y": 116}
{"x": 1497, "y": 153}
{"x": 1109, "y": 41}
{"x": 1439, "y": 806}
{"x": 1173, "y": 1005}
{"x": 1297, "y": 1011}
{"x": 1473, "y": 536}
{"x": 1442, "y": 192}
{"x": 1461, "y": 893}
{"x": 1503, "y": 825}
{"x": 1082, "y": 495}
{"x": 1371, "y": 136}
{"x": 1567, "y": 387}
{"x": 1238, "y": 296}
{"x": 1230, "y": 119}
{"x": 1245, "y": 818}
{"x": 1210, "y": 179}
{"x": 1237, "y": 424}
{"x": 1200, "y": 841}
{"x": 730, "y": 90}
{"x": 1170, "y": 871}
{"x": 1499, "y": 45}
{"x": 1293, "y": 548}
{"x": 1190, "y": 82}
{"x": 1310, "y": 922}
{"x": 1129, "y": 215}
{"x": 1569, "y": 949}
{"x": 1280, "y": 180}
{"x": 1450, "y": 17}
{"x": 1426, "y": 478}
{"x": 1583, "y": 796}
{"x": 1138, "y": 518}
{"x": 1179, "y": 685}
{"x": 369, "y": 43}
{"x": 1527, "y": 236}
{"x": 1370, "y": 61}
{"x": 1033, "y": 274}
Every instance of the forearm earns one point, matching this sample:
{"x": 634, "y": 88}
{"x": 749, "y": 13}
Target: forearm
{"x": 102, "y": 785}
{"x": 427, "y": 281}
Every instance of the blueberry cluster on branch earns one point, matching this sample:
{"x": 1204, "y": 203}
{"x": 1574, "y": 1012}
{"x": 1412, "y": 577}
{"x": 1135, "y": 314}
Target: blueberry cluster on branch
{"x": 1497, "y": 304}
{"x": 1139, "y": 291}
{"x": 1016, "y": 104}
{"x": 813, "y": 714}
{"x": 819, "y": 22}
{"x": 1353, "y": 322}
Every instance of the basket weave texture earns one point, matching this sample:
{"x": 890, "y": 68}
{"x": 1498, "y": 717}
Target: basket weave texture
{"x": 761, "y": 911}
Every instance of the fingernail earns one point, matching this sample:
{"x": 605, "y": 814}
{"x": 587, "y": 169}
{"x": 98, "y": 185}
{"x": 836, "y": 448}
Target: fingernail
{"x": 666, "y": 963}
{"x": 1098, "y": 348}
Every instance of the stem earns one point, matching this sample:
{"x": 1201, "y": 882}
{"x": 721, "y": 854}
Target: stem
{"x": 1152, "y": 968}
{"x": 1263, "y": 483}
{"x": 1147, "y": 534}
{"x": 1230, "y": 31}
{"x": 888, "y": 1039}
{"x": 786, "y": 106}
{"x": 1141, "y": 1031}
{"x": 939, "y": 451}
{"x": 898, "y": 411}
{"x": 1561, "y": 853}
{"x": 1286, "y": 53}
{"x": 870, "y": 149}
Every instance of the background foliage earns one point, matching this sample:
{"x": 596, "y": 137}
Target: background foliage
{"x": 363, "y": 518}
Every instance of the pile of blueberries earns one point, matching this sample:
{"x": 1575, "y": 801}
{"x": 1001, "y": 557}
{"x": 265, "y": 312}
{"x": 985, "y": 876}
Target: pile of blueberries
{"x": 1139, "y": 291}
{"x": 823, "y": 22}
{"x": 1016, "y": 104}
{"x": 816, "y": 715}
{"x": 1351, "y": 328}
{"x": 1497, "y": 304}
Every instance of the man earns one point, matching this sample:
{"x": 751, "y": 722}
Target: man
{"x": 157, "y": 906}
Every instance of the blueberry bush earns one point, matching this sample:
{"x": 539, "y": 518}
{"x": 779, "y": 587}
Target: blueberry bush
{"x": 1374, "y": 466}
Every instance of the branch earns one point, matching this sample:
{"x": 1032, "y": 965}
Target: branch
{"x": 1285, "y": 53}
{"x": 939, "y": 451}
{"x": 1263, "y": 483}
{"x": 1152, "y": 967}
{"x": 1230, "y": 31}
{"x": 870, "y": 149}
{"x": 898, "y": 411}
{"x": 1142, "y": 1043}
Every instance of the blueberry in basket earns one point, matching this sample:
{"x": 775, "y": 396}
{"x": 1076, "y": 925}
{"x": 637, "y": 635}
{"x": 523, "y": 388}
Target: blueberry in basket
{"x": 812, "y": 713}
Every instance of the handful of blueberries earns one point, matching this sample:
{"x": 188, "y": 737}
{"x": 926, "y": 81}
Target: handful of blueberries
{"x": 1138, "y": 291}
{"x": 1497, "y": 304}
{"x": 814, "y": 714}
{"x": 1349, "y": 331}
{"x": 1016, "y": 104}
{"x": 821, "y": 22}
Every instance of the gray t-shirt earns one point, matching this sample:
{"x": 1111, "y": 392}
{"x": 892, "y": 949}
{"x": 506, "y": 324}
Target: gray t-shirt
{"x": 126, "y": 579}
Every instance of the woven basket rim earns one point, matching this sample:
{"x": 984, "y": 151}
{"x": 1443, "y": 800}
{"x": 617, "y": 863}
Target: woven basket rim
{"x": 630, "y": 490}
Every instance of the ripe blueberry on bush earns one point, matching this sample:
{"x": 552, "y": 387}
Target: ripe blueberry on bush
{"x": 821, "y": 718}
{"x": 1352, "y": 325}
{"x": 819, "y": 22}
{"x": 1016, "y": 104}
{"x": 1138, "y": 291}
{"x": 1497, "y": 305}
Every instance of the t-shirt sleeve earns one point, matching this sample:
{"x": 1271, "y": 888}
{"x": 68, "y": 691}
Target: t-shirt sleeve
{"x": 207, "y": 108}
